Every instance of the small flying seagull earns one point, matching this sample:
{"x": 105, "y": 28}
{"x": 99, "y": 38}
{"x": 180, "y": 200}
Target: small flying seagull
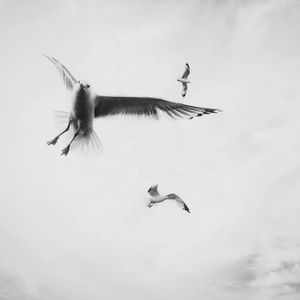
{"x": 87, "y": 106}
{"x": 156, "y": 197}
{"x": 183, "y": 79}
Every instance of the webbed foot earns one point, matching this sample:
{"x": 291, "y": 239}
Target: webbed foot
{"x": 53, "y": 141}
{"x": 65, "y": 151}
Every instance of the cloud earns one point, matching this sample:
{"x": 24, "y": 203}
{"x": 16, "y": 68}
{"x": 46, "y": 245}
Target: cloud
{"x": 274, "y": 272}
{"x": 13, "y": 288}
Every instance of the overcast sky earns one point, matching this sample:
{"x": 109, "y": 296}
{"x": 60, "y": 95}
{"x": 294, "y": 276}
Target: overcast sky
{"x": 78, "y": 228}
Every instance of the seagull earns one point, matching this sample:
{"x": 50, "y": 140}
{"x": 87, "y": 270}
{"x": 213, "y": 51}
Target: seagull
{"x": 183, "y": 79}
{"x": 156, "y": 197}
{"x": 86, "y": 106}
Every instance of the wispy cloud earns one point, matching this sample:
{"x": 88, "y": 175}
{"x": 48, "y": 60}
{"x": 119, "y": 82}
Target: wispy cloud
{"x": 13, "y": 288}
{"x": 274, "y": 272}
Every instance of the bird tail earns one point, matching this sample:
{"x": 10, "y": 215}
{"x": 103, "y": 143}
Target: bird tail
{"x": 87, "y": 144}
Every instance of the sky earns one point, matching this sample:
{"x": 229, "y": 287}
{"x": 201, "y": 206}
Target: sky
{"x": 78, "y": 227}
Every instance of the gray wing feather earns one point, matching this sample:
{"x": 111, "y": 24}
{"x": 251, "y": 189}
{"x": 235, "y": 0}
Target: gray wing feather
{"x": 68, "y": 78}
{"x": 179, "y": 201}
{"x": 186, "y": 71}
{"x": 145, "y": 106}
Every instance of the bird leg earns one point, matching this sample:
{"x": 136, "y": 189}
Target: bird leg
{"x": 54, "y": 140}
{"x": 66, "y": 150}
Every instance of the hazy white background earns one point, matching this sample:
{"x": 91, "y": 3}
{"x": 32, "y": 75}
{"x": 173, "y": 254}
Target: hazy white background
{"x": 75, "y": 228}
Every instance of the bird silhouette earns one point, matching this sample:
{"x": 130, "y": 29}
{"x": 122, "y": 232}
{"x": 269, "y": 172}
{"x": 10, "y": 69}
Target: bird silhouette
{"x": 183, "y": 79}
{"x": 156, "y": 197}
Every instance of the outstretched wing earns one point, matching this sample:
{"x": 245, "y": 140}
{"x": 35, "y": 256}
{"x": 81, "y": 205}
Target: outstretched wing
{"x": 153, "y": 190}
{"x": 179, "y": 201}
{"x": 186, "y": 71}
{"x": 144, "y": 106}
{"x": 184, "y": 89}
{"x": 68, "y": 78}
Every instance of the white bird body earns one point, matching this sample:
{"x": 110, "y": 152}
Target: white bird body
{"x": 156, "y": 197}
{"x": 83, "y": 107}
{"x": 183, "y": 80}
{"x": 87, "y": 106}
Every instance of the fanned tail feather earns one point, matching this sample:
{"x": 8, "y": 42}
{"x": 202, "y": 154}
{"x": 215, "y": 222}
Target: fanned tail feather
{"x": 84, "y": 144}
{"x": 87, "y": 145}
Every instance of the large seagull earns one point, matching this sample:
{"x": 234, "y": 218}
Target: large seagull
{"x": 86, "y": 107}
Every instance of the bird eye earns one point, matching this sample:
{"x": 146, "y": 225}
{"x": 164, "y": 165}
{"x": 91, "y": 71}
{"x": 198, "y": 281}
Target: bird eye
{"x": 78, "y": 81}
{"x": 87, "y": 85}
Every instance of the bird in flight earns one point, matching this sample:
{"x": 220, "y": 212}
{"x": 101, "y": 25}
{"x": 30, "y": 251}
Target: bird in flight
{"x": 87, "y": 106}
{"x": 156, "y": 197}
{"x": 183, "y": 79}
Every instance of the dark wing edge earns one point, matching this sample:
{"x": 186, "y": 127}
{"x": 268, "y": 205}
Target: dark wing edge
{"x": 68, "y": 78}
{"x": 186, "y": 208}
{"x": 146, "y": 106}
{"x": 179, "y": 201}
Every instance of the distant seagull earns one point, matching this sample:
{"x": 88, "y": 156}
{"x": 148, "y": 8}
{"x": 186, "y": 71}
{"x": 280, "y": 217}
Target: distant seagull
{"x": 86, "y": 107}
{"x": 183, "y": 79}
{"x": 156, "y": 197}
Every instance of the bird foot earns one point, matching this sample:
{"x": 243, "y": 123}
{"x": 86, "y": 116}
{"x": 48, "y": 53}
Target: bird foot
{"x": 53, "y": 141}
{"x": 65, "y": 151}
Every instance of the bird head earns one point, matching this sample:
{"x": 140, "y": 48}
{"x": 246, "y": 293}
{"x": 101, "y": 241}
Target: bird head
{"x": 83, "y": 87}
{"x": 154, "y": 186}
